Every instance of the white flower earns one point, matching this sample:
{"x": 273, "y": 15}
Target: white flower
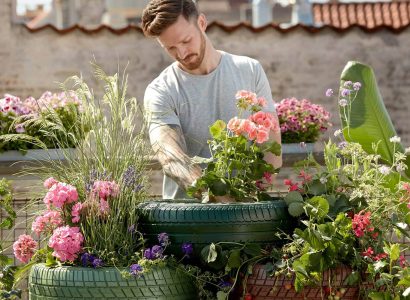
{"x": 384, "y": 170}
{"x": 342, "y": 102}
{"x": 337, "y": 132}
{"x": 395, "y": 139}
{"x": 302, "y": 145}
{"x": 1, "y": 275}
{"x": 323, "y": 180}
{"x": 407, "y": 150}
{"x": 401, "y": 167}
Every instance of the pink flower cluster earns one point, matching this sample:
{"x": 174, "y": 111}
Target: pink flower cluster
{"x": 24, "y": 248}
{"x": 256, "y": 127}
{"x": 247, "y": 98}
{"x": 59, "y": 194}
{"x": 53, "y": 100}
{"x": 13, "y": 104}
{"x": 106, "y": 189}
{"x": 47, "y": 222}
{"x": 361, "y": 224}
{"x": 66, "y": 242}
{"x": 303, "y": 118}
{"x": 370, "y": 254}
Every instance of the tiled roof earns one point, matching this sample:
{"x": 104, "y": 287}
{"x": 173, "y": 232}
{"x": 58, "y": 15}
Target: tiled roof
{"x": 371, "y": 15}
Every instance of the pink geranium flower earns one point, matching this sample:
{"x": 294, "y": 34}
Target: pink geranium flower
{"x": 66, "y": 242}
{"x": 47, "y": 222}
{"x": 24, "y": 248}
{"x": 60, "y": 194}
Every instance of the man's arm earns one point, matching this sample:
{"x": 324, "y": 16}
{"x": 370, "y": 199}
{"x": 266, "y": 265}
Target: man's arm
{"x": 169, "y": 145}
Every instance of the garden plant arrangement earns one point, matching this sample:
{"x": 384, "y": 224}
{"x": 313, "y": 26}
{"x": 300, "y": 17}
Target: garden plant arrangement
{"x": 89, "y": 226}
{"x": 237, "y": 167}
{"x": 31, "y": 123}
{"x": 301, "y": 121}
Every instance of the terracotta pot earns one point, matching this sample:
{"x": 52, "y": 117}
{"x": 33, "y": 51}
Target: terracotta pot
{"x": 264, "y": 287}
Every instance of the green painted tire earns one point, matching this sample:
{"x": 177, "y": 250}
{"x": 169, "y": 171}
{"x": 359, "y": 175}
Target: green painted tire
{"x": 189, "y": 221}
{"x": 68, "y": 283}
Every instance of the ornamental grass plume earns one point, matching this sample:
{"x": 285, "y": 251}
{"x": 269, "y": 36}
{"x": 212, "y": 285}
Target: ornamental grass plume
{"x": 301, "y": 121}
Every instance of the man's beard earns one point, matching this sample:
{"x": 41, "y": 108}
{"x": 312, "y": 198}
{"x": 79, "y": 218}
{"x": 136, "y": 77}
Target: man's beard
{"x": 199, "y": 57}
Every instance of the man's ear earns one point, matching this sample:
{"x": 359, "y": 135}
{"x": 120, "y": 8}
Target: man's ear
{"x": 202, "y": 22}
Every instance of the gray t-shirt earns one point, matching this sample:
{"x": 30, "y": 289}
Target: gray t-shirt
{"x": 195, "y": 102}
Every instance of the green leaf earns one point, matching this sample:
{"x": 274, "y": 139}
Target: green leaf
{"x": 379, "y": 265}
{"x": 234, "y": 260}
{"x": 393, "y": 251}
{"x": 273, "y": 147}
{"x": 293, "y": 197}
{"x": 369, "y": 120}
{"x": 217, "y": 129}
{"x": 221, "y": 295}
{"x": 252, "y": 249}
{"x": 296, "y": 209}
{"x": 7, "y": 223}
{"x": 376, "y": 295}
{"x": 352, "y": 278}
{"x": 317, "y": 207}
{"x": 317, "y": 188}
{"x": 219, "y": 187}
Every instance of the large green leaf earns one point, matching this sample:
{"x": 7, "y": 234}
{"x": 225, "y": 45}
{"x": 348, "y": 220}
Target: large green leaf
{"x": 369, "y": 120}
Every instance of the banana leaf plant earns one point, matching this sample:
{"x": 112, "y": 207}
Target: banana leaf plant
{"x": 365, "y": 119}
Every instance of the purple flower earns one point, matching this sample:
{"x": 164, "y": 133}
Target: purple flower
{"x": 345, "y": 92}
{"x": 87, "y": 259}
{"x": 347, "y": 84}
{"x": 342, "y": 145}
{"x": 223, "y": 284}
{"x": 131, "y": 228}
{"x": 329, "y": 92}
{"x": 163, "y": 239}
{"x": 187, "y": 249}
{"x": 357, "y": 86}
{"x": 148, "y": 253}
{"x": 97, "y": 263}
{"x": 135, "y": 269}
{"x": 157, "y": 251}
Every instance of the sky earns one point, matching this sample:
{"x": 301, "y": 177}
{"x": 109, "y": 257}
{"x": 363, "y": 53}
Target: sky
{"x": 31, "y": 4}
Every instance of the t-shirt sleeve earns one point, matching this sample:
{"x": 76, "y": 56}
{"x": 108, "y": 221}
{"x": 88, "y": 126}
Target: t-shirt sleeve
{"x": 263, "y": 88}
{"x": 159, "y": 108}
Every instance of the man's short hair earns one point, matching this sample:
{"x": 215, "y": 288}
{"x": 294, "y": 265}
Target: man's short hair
{"x": 160, "y": 14}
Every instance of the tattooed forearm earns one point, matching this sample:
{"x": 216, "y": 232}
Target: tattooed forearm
{"x": 169, "y": 144}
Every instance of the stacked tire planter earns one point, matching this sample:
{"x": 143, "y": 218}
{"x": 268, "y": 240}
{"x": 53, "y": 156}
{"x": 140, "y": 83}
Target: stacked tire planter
{"x": 262, "y": 286}
{"x": 66, "y": 283}
{"x": 189, "y": 221}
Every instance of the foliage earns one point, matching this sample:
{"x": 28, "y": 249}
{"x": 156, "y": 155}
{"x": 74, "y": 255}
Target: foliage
{"x": 301, "y": 121}
{"x": 39, "y": 123}
{"x": 92, "y": 195}
{"x": 237, "y": 167}
{"x": 363, "y": 114}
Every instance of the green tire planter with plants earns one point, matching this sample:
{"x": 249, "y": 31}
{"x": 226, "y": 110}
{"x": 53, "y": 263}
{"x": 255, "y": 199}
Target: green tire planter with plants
{"x": 68, "y": 282}
{"x": 199, "y": 224}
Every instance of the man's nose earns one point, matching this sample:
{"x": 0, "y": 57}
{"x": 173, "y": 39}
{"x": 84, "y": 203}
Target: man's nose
{"x": 181, "y": 52}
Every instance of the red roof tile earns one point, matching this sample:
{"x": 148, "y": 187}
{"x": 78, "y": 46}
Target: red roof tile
{"x": 395, "y": 15}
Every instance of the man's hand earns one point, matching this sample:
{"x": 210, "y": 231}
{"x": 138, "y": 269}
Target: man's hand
{"x": 169, "y": 145}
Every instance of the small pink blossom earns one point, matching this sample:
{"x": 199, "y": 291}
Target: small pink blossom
{"x": 262, "y": 135}
{"x": 268, "y": 177}
{"x": 66, "y": 242}
{"x": 49, "y": 182}
{"x": 47, "y": 222}
{"x": 24, "y": 248}
{"x": 249, "y": 97}
{"x": 104, "y": 207}
{"x": 234, "y": 125}
{"x": 75, "y": 212}
{"x": 105, "y": 189}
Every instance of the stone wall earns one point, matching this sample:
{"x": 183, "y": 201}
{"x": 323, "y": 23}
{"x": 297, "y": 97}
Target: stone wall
{"x": 298, "y": 63}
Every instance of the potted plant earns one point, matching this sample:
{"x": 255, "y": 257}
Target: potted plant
{"x": 354, "y": 210}
{"x": 301, "y": 125}
{"x": 224, "y": 237}
{"x": 89, "y": 243}
{"x": 26, "y": 130}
